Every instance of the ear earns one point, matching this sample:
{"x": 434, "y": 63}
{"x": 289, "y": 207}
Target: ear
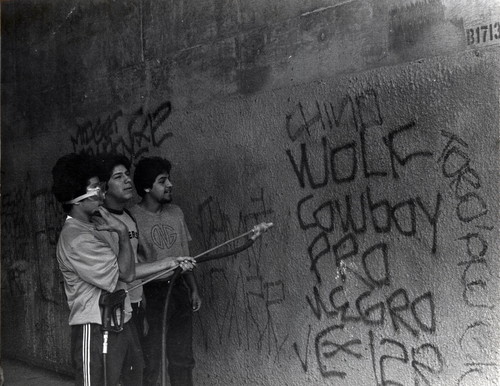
{"x": 147, "y": 190}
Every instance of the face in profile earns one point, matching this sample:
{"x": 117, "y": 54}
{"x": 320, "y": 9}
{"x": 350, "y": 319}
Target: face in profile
{"x": 94, "y": 197}
{"x": 161, "y": 191}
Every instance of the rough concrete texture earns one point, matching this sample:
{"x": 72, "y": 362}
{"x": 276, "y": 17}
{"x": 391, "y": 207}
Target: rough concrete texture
{"x": 367, "y": 131}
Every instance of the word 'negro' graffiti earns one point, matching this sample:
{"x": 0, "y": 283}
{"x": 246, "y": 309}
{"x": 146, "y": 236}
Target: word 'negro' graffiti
{"x": 131, "y": 135}
{"x": 415, "y": 316}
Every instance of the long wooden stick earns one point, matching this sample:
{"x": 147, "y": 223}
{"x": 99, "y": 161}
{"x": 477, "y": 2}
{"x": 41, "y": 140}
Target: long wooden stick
{"x": 264, "y": 226}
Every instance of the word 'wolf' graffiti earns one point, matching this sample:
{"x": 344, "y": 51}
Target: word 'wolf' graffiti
{"x": 131, "y": 135}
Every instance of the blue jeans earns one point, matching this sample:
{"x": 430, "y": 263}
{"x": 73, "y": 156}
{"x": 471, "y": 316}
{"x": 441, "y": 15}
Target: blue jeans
{"x": 179, "y": 342}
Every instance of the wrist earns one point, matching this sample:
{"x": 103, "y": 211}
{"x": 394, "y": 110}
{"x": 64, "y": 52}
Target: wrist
{"x": 122, "y": 232}
{"x": 194, "y": 290}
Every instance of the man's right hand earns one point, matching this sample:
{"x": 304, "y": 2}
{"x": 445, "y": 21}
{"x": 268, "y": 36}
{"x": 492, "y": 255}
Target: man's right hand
{"x": 107, "y": 222}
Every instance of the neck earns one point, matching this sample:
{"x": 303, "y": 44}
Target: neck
{"x": 150, "y": 205}
{"x": 114, "y": 206}
{"x": 79, "y": 214}
{"x": 114, "y": 211}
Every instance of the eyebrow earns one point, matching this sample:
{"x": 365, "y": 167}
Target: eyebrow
{"x": 120, "y": 173}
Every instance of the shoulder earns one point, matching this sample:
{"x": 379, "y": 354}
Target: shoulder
{"x": 76, "y": 234}
{"x": 134, "y": 209}
{"x": 72, "y": 228}
{"x": 128, "y": 216}
{"x": 137, "y": 211}
{"x": 172, "y": 209}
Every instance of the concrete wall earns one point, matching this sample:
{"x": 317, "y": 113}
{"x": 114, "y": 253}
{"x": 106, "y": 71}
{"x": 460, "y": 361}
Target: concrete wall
{"x": 367, "y": 131}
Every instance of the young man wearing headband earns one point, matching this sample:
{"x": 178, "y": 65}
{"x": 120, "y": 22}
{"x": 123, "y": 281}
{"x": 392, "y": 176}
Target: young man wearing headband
{"x": 90, "y": 266}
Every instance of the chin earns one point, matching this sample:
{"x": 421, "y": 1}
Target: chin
{"x": 166, "y": 201}
{"x": 128, "y": 195}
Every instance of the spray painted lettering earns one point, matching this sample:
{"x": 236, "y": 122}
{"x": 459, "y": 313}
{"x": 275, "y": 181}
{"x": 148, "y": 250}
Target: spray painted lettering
{"x": 242, "y": 308}
{"x": 477, "y": 280}
{"x": 131, "y": 135}
{"x": 361, "y": 291}
{"x": 31, "y": 222}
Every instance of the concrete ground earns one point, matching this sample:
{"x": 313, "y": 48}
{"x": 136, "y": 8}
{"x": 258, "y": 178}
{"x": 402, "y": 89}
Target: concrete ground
{"x": 18, "y": 373}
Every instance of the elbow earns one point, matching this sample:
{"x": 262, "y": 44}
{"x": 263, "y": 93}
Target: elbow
{"x": 128, "y": 278}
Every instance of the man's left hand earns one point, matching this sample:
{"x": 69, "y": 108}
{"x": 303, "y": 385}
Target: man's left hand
{"x": 195, "y": 301}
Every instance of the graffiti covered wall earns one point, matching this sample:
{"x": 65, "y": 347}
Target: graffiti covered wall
{"x": 381, "y": 268}
{"x": 381, "y": 181}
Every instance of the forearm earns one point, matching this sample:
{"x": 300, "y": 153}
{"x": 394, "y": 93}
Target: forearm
{"x": 190, "y": 281}
{"x": 144, "y": 270}
{"x": 126, "y": 263}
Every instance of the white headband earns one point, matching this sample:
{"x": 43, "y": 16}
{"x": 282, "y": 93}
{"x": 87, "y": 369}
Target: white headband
{"x": 90, "y": 192}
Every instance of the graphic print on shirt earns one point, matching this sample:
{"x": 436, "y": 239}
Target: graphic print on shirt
{"x": 163, "y": 236}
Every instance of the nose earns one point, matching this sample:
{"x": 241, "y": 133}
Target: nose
{"x": 168, "y": 184}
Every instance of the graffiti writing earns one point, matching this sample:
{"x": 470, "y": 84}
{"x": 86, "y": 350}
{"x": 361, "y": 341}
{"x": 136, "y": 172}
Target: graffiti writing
{"x": 361, "y": 111}
{"x": 337, "y": 352}
{"x": 349, "y": 144}
{"x": 425, "y": 360}
{"x": 332, "y": 215}
{"x": 472, "y": 211}
{"x": 353, "y": 153}
{"x": 242, "y": 307}
{"x": 477, "y": 279}
{"x": 132, "y": 135}
{"x": 31, "y": 222}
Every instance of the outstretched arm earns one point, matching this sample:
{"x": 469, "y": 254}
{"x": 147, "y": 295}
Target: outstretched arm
{"x": 144, "y": 270}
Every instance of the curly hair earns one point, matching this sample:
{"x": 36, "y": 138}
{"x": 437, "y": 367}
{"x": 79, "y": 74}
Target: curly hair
{"x": 71, "y": 175}
{"x": 146, "y": 171}
{"x": 107, "y": 162}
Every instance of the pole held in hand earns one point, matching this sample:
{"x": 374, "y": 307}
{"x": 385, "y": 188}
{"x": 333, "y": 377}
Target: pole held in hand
{"x": 256, "y": 231}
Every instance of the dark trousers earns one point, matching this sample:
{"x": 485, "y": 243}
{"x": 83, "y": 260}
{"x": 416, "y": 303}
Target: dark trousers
{"x": 179, "y": 343}
{"x": 138, "y": 316}
{"x": 124, "y": 360}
